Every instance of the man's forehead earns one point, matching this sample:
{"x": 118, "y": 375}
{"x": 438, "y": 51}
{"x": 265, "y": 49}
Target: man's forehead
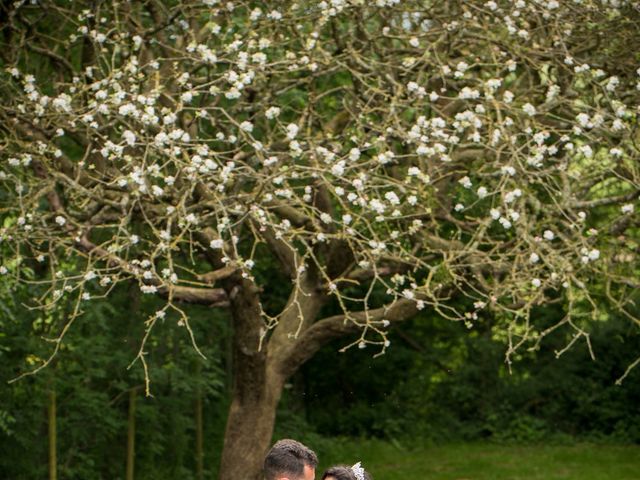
{"x": 309, "y": 473}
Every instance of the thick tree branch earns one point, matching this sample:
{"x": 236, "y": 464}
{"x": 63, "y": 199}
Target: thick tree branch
{"x": 205, "y": 296}
{"x": 327, "y": 329}
{"x": 296, "y": 218}
{"x": 284, "y": 252}
{"x": 220, "y": 274}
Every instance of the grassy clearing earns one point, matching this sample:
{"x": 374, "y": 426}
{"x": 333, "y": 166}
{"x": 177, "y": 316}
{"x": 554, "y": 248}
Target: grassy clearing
{"x": 489, "y": 461}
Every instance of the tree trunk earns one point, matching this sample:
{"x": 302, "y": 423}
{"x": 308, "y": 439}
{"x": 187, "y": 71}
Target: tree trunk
{"x": 53, "y": 436}
{"x": 131, "y": 434}
{"x": 256, "y": 388}
{"x": 199, "y": 436}
{"x": 259, "y": 374}
{"x": 249, "y": 431}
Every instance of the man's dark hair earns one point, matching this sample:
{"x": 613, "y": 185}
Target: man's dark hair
{"x": 340, "y": 472}
{"x": 288, "y": 457}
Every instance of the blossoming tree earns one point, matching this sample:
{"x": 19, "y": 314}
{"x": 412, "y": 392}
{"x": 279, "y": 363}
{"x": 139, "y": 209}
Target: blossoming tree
{"x": 390, "y": 156}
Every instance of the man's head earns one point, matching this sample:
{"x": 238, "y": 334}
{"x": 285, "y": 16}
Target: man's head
{"x": 290, "y": 460}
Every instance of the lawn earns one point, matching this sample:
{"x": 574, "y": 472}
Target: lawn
{"x": 490, "y": 461}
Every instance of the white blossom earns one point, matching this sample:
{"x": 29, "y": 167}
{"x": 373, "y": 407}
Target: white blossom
{"x": 392, "y": 198}
{"x": 377, "y": 205}
{"x": 508, "y": 170}
{"x": 292, "y": 131}
{"x": 408, "y": 294}
{"x": 62, "y": 103}
{"x": 272, "y": 112}
{"x": 129, "y": 137}
{"x": 469, "y": 94}
{"x": 612, "y": 84}
{"x": 338, "y": 169}
{"x": 529, "y": 109}
{"x": 465, "y": 182}
{"x": 506, "y": 224}
{"x": 627, "y": 208}
{"x": 385, "y": 157}
{"x": 512, "y": 195}
{"x": 586, "y": 150}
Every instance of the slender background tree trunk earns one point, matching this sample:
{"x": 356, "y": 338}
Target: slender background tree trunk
{"x": 131, "y": 434}
{"x": 199, "y": 436}
{"x": 53, "y": 436}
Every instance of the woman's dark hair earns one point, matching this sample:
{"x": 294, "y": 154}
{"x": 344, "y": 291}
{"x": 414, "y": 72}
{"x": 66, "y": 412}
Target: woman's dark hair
{"x": 341, "y": 472}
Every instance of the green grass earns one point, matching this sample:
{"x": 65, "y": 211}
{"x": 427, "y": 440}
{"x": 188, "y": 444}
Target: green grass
{"x": 488, "y": 461}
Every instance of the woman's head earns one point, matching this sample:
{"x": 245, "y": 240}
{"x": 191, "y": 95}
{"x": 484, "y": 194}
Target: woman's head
{"x": 341, "y": 472}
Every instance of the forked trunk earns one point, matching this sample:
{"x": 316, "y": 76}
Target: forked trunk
{"x": 259, "y": 374}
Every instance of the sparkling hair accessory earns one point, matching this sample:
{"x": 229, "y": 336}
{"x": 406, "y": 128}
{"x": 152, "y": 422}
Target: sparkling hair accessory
{"x": 358, "y": 471}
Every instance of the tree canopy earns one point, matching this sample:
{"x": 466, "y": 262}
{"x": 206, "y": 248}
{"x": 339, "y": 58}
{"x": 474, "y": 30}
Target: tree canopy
{"x": 391, "y": 156}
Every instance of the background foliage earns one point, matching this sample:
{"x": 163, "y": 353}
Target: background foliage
{"x": 92, "y": 381}
{"x": 437, "y": 385}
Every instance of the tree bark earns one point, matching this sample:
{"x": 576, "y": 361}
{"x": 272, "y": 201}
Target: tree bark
{"x": 53, "y": 436}
{"x": 259, "y": 375}
{"x": 256, "y": 388}
{"x": 249, "y": 431}
{"x": 131, "y": 434}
